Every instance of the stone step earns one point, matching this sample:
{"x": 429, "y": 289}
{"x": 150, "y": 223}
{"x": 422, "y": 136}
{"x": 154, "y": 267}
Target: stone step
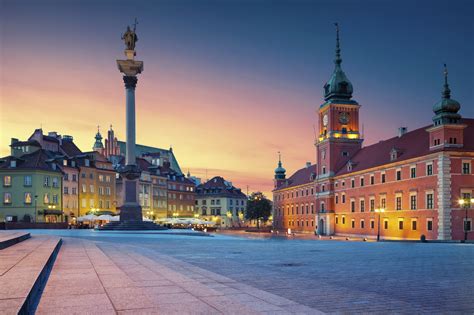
{"x": 24, "y": 269}
{"x": 8, "y": 238}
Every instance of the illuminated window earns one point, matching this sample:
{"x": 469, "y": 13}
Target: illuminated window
{"x": 46, "y": 198}
{"x": 27, "y": 197}
{"x": 7, "y": 198}
{"x": 7, "y": 180}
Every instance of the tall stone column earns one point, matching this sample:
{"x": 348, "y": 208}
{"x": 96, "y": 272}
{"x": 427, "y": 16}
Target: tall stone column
{"x": 130, "y": 210}
{"x": 130, "y": 84}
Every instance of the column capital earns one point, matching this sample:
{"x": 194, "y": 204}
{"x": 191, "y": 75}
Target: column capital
{"x": 130, "y": 81}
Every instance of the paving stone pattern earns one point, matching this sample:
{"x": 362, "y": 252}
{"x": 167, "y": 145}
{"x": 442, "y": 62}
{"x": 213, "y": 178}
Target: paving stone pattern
{"x": 330, "y": 276}
{"x": 110, "y": 278}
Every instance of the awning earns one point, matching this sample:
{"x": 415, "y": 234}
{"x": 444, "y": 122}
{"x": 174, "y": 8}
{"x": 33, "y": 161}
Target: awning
{"x": 51, "y": 211}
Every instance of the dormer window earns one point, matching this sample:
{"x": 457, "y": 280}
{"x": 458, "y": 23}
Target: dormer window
{"x": 65, "y": 162}
{"x": 87, "y": 162}
{"x": 12, "y": 163}
{"x": 349, "y": 166}
{"x": 393, "y": 154}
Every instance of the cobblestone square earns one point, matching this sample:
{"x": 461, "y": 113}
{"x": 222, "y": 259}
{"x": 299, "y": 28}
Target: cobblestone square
{"x": 329, "y": 276}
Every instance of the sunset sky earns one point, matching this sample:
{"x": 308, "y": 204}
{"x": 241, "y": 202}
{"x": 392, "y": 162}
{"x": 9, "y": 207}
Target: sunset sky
{"x": 228, "y": 83}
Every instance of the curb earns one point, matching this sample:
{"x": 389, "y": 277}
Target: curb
{"x": 31, "y": 302}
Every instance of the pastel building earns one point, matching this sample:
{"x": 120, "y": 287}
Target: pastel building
{"x": 400, "y": 188}
{"x": 31, "y": 187}
{"x": 96, "y": 184}
{"x": 218, "y": 200}
{"x": 152, "y": 188}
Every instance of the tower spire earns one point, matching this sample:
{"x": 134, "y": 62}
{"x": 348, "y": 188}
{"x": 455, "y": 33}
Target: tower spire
{"x": 447, "y": 91}
{"x": 338, "y": 59}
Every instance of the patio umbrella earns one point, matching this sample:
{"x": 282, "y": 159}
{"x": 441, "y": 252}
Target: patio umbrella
{"x": 105, "y": 217}
{"x": 89, "y": 217}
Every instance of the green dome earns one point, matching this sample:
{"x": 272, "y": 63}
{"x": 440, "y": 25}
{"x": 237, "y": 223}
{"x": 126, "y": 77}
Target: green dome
{"x": 338, "y": 86}
{"x": 279, "y": 171}
{"x": 446, "y": 110}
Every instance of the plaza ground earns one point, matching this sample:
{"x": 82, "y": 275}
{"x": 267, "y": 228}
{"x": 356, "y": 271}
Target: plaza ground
{"x": 310, "y": 275}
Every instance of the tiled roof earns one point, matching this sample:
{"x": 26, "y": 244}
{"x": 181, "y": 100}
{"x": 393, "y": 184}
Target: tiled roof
{"x": 220, "y": 187}
{"x": 411, "y": 145}
{"x": 36, "y": 160}
{"x": 300, "y": 177}
{"x": 142, "y": 150}
{"x": 24, "y": 143}
{"x": 70, "y": 148}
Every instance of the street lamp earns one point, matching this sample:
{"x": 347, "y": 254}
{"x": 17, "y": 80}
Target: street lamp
{"x": 466, "y": 204}
{"x": 378, "y": 225}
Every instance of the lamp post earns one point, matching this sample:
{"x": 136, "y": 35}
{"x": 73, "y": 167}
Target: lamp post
{"x": 466, "y": 204}
{"x": 378, "y": 225}
{"x": 36, "y": 200}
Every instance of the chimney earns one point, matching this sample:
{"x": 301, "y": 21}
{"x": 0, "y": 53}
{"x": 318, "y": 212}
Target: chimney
{"x": 308, "y": 164}
{"x": 402, "y": 131}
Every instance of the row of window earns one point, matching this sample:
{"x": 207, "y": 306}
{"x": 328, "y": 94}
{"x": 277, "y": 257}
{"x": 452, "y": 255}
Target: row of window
{"x": 414, "y": 223}
{"x": 180, "y": 187}
{"x": 413, "y": 203}
{"x": 180, "y": 196}
{"x": 292, "y": 223}
{"x": 181, "y": 208}
{"x": 28, "y": 181}
{"x": 28, "y": 198}
{"x": 294, "y": 194}
{"x": 103, "y": 191}
{"x": 103, "y": 204}
{"x": 298, "y": 209}
{"x": 217, "y": 202}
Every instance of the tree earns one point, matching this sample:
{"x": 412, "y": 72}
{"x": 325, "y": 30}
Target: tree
{"x": 258, "y": 208}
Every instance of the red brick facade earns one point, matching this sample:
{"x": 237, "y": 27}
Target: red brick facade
{"x": 410, "y": 183}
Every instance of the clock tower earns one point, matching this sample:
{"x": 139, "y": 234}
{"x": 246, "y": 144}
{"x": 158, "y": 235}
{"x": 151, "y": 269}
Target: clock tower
{"x": 339, "y": 138}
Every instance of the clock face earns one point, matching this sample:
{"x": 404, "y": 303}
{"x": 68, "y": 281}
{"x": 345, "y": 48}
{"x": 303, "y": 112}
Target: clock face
{"x": 325, "y": 120}
{"x": 344, "y": 118}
